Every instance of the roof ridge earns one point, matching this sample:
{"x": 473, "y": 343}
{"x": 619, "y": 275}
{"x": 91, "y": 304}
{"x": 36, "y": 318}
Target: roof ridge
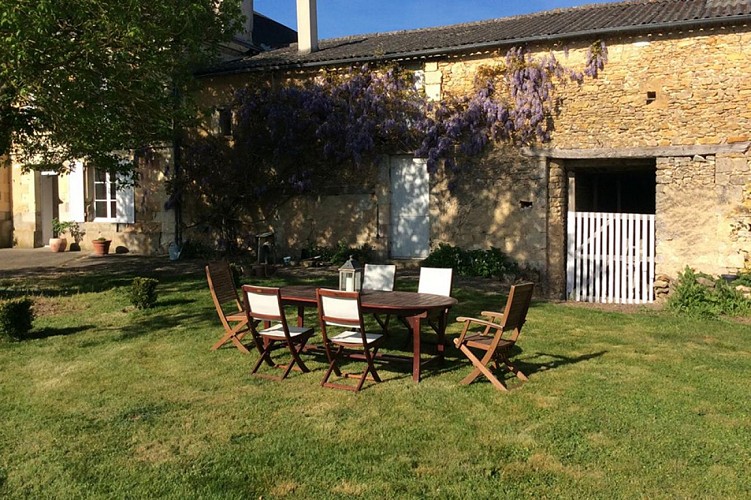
{"x": 592, "y": 20}
{"x": 589, "y": 7}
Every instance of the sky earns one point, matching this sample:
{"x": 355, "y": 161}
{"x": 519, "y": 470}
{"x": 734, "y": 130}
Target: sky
{"x": 337, "y": 18}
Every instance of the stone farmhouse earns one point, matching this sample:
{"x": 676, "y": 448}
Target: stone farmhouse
{"x": 647, "y": 171}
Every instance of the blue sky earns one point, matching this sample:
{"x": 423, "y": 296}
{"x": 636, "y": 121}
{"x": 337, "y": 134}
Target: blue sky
{"x": 351, "y": 17}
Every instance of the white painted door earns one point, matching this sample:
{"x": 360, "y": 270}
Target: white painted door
{"x": 410, "y": 198}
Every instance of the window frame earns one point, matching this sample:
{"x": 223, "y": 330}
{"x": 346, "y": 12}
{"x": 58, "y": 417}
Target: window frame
{"x": 117, "y": 193}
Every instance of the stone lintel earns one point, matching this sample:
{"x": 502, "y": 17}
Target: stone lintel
{"x": 646, "y": 152}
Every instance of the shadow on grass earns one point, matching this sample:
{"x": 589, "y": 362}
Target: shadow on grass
{"x": 529, "y": 368}
{"x": 173, "y": 302}
{"x": 47, "y": 332}
{"x": 157, "y": 320}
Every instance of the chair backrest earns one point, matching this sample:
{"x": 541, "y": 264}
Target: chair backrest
{"x": 339, "y": 308}
{"x": 436, "y": 280}
{"x": 222, "y": 286}
{"x": 263, "y": 303}
{"x": 517, "y": 306}
{"x": 379, "y": 277}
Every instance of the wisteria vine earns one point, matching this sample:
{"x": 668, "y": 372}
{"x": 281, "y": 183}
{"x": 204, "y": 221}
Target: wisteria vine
{"x": 298, "y": 137}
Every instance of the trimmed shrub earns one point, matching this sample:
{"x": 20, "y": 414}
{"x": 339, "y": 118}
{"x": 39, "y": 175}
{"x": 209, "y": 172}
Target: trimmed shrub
{"x": 142, "y": 292}
{"x": 16, "y": 317}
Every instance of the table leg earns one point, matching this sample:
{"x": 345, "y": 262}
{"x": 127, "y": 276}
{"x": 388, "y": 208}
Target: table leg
{"x": 414, "y": 322}
{"x": 442, "y": 334}
{"x": 300, "y": 316}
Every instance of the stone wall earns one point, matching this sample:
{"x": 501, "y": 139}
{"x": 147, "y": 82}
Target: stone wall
{"x": 307, "y": 221}
{"x": 25, "y": 202}
{"x": 667, "y": 96}
{"x": 502, "y": 203}
{"x": 6, "y": 204}
{"x": 700, "y": 222}
{"x": 699, "y": 80}
{"x": 555, "y": 264}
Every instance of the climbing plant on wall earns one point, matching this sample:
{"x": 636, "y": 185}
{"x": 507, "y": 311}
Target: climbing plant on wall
{"x": 310, "y": 133}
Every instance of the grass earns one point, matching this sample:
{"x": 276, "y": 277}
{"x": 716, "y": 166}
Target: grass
{"x": 109, "y": 401}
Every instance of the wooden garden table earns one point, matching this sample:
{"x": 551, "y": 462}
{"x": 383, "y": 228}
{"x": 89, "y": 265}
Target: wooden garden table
{"x": 411, "y": 306}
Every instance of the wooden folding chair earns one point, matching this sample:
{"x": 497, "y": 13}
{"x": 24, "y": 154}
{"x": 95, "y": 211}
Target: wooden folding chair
{"x": 379, "y": 277}
{"x": 264, "y": 304}
{"x": 491, "y": 340}
{"x": 343, "y": 310}
{"x": 227, "y": 304}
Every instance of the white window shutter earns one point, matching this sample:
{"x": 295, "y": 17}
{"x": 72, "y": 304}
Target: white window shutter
{"x": 126, "y": 209}
{"x": 76, "y": 200}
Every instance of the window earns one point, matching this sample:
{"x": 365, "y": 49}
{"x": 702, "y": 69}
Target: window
{"x": 225, "y": 122}
{"x": 105, "y": 196}
{"x": 112, "y": 203}
{"x": 221, "y": 122}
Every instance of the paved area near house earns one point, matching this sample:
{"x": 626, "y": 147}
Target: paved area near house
{"x": 27, "y": 262}
{"x": 25, "y": 258}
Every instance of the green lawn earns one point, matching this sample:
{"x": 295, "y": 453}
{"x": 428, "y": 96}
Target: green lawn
{"x": 110, "y": 402}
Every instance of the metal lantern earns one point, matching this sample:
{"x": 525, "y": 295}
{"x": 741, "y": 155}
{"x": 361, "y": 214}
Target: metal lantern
{"x": 350, "y": 276}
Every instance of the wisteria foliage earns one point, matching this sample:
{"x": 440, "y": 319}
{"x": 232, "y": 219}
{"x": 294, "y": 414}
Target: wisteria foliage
{"x": 299, "y": 136}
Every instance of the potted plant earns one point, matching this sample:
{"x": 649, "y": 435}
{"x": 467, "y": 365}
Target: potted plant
{"x": 58, "y": 243}
{"x": 77, "y": 234}
{"x": 101, "y": 246}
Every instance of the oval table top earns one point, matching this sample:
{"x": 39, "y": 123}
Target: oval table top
{"x": 395, "y": 302}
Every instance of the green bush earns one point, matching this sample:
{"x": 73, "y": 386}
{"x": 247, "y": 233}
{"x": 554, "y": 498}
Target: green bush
{"x": 16, "y": 317}
{"x": 142, "y": 292}
{"x": 730, "y": 301}
{"x": 484, "y": 263}
{"x": 743, "y": 279}
{"x": 697, "y": 300}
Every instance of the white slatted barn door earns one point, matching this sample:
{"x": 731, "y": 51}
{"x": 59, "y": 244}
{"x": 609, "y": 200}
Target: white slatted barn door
{"x": 611, "y": 257}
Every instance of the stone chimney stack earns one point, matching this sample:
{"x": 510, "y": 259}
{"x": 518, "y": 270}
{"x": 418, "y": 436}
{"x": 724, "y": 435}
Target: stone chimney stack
{"x": 307, "y": 26}
{"x": 247, "y": 10}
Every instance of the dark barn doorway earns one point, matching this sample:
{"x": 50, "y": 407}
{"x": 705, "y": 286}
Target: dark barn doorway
{"x": 619, "y": 187}
{"x": 611, "y": 230}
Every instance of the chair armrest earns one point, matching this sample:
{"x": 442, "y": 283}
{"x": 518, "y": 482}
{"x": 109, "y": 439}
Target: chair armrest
{"x": 482, "y": 322}
{"x": 492, "y": 314}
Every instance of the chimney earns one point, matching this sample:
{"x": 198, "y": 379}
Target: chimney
{"x": 247, "y": 10}
{"x": 307, "y": 26}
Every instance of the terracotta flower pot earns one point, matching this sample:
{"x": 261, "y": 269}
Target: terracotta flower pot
{"x": 58, "y": 244}
{"x": 101, "y": 247}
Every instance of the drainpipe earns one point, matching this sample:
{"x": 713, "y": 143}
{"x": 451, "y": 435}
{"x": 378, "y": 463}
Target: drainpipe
{"x": 307, "y": 26}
